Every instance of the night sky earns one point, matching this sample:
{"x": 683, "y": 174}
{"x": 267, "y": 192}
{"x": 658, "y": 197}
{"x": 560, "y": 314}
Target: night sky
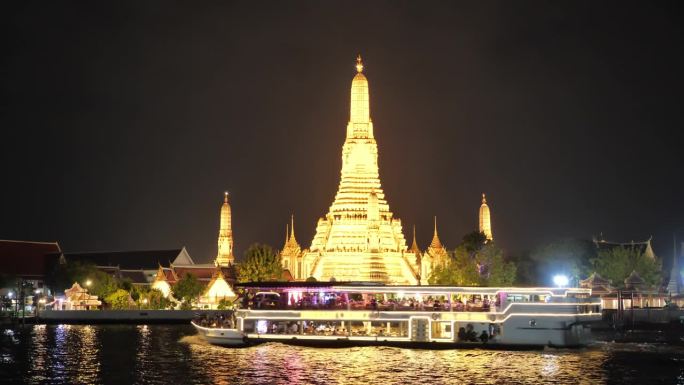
{"x": 124, "y": 122}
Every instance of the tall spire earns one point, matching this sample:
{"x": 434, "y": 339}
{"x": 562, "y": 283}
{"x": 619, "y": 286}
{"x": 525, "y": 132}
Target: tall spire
{"x": 436, "y": 243}
{"x": 287, "y": 235}
{"x": 225, "y": 257}
{"x": 414, "y": 246}
{"x": 360, "y": 124}
{"x": 292, "y": 233}
{"x": 485, "y": 219}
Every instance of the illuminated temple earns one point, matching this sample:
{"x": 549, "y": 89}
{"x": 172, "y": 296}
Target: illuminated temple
{"x": 485, "y": 219}
{"x": 359, "y": 239}
{"x": 224, "y": 256}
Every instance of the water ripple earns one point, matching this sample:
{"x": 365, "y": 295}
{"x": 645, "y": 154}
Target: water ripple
{"x": 127, "y": 354}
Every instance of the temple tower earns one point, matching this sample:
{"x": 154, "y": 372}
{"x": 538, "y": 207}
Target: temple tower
{"x": 485, "y": 219}
{"x": 225, "y": 256}
{"x": 291, "y": 254}
{"x": 438, "y": 254}
{"x": 358, "y": 239}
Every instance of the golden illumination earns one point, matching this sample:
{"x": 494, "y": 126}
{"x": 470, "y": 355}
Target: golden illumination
{"x": 291, "y": 254}
{"x": 225, "y": 239}
{"x": 485, "y": 219}
{"x": 161, "y": 284}
{"x": 359, "y": 240}
{"x": 217, "y": 289}
{"x": 436, "y": 253}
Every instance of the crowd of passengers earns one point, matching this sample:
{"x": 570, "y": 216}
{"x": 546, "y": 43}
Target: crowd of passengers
{"x": 313, "y": 301}
{"x": 328, "y": 329}
{"x": 223, "y": 321}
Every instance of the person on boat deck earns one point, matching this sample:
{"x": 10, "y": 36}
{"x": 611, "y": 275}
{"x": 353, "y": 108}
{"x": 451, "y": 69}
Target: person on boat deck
{"x": 294, "y": 328}
{"x": 374, "y": 304}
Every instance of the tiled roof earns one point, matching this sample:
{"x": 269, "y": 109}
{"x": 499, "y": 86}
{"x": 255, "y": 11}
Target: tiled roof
{"x": 127, "y": 260}
{"x": 27, "y": 259}
{"x": 136, "y": 276}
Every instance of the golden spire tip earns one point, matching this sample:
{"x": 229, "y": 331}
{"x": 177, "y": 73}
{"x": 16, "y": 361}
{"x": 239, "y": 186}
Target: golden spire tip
{"x": 359, "y": 64}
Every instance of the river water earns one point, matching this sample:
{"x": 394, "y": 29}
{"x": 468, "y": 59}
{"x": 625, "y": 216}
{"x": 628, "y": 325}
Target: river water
{"x": 163, "y": 354}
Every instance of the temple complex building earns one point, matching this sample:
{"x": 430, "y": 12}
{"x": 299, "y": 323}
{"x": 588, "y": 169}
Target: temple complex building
{"x": 644, "y": 247}
{"x": 485, "y": 219}
{"x": 291, "y": 254}
{"x": 435, "y": 255}
{"x": 359, "y": 239}
{"x": 225, "y": 257}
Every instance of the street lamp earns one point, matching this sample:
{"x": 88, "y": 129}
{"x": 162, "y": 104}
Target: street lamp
{"x": 144, "y": 301}
{"x": 88, "y": 282}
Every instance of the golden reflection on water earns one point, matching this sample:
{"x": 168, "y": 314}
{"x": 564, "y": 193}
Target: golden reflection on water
{"x": 274, "y": 363}
{"x": 128, "y": 354}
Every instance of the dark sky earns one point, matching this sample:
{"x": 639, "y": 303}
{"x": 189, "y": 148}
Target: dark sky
{"x": 124, "y": 122}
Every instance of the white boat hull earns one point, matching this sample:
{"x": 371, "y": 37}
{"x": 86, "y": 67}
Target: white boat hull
{"x": 220, "y": 336}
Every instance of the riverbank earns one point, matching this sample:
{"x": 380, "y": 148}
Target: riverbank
{"x": 94, "y": 317}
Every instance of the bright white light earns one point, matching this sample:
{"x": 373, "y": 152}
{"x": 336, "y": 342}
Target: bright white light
{"x": 10, "y": 294}
{"x": 560, "y": 280}
{"x": 262, "y": 326}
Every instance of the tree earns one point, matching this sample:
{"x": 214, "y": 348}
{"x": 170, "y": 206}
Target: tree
{"x": 473, "y": 242}
{"x": 188, "y": 288}
{"x": 65, "y": 274}
{"x": 261, "y": 264}
{"x": 494, "y": 269}
{"x": 458, "y": 271}
{"x": 119, "y": 300}
{"x": 155, "y": 299}
{"x": 570, "y": 257}
{"x": 224, "y": 304}
{"x": 617, "y": 263}
{"x": 471, "y": 266}
{"x": 102, "y": 284}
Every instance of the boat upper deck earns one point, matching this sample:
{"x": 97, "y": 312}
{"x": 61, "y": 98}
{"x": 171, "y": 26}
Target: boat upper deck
{"x": 376, "y": 288}
{"x": 378, "y": 297}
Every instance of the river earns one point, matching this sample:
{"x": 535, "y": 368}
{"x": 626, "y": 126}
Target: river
{"x": 172, "y": 354}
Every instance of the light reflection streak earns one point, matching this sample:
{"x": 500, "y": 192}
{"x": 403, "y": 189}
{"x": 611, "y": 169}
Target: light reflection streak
{"x": 161, "y": 354}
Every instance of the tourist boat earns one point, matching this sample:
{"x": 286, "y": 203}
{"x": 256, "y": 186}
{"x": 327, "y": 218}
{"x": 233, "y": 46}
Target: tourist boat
{"x": 342, "y": 314}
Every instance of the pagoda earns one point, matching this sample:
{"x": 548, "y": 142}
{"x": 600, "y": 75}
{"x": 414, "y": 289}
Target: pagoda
{"x": 224, "y": 256}
{"x": 360, "y": 239}
{"x": 485, "y": 220}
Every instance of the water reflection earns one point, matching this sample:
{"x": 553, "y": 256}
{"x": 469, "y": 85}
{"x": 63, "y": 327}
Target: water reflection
{"x": 125, "y": 354}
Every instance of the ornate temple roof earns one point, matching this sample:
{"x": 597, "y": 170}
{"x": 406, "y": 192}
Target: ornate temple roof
{"x": 436, "y": 243}
{"x": 644, "y": 247}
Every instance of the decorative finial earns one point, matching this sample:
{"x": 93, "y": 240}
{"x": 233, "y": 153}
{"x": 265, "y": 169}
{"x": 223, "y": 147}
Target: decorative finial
{"x": 225, "y": 197}
{"x": 359, "y": 64}
{"x": 484, "y": 199}
{"x": 435, "y": 225}
{"x": 292, "y": 233}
